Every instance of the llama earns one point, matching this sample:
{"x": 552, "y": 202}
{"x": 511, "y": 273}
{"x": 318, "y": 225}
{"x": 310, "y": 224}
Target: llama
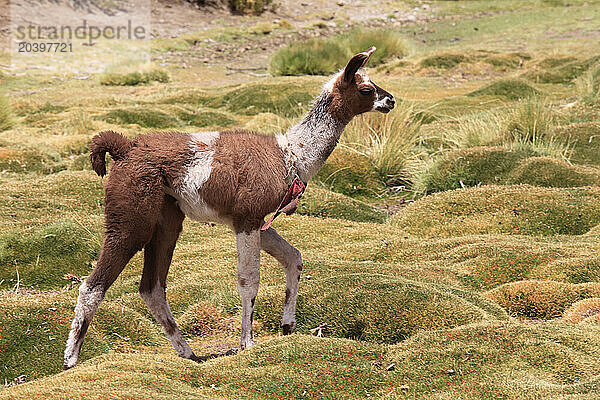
{"x": 232, "y": 177}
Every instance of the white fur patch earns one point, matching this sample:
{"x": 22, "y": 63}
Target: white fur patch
{"x": 328, "y": 86}
{"x": 248, "y": 248}
{"x": 87, "y": 304}
{"x": 198, "y": 172}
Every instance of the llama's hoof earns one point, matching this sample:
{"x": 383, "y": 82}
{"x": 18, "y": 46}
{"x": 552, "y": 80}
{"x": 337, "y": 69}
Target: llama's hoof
{"x": 66, "y": 367}
{"x": 287, "y": 329}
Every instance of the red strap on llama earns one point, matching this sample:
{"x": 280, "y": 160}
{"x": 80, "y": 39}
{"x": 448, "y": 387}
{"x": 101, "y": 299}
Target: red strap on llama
{"x": 289, "y": 204}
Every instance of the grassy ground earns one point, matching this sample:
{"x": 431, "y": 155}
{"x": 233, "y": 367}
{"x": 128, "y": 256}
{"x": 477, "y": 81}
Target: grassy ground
{"x": 451, "y": 247}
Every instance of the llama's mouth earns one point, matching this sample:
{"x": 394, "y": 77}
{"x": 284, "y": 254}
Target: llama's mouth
{"x": 384, "y": 110}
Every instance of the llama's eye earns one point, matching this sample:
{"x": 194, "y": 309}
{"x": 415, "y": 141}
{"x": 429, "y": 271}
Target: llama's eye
{"x": 366, "y": 92}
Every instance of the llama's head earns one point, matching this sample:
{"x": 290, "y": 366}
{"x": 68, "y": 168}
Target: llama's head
{"x": 353, "y": 92}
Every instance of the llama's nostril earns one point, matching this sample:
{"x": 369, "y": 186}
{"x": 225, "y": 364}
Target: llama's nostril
{"x": 391, "y": 102}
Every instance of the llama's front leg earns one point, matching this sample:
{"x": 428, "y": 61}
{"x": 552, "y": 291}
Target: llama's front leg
{"x": 248, "y": 248}
{"x": 291, "y": 260}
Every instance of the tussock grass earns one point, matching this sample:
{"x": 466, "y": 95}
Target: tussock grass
{"x": 538, "y": 299}
{"x": 387, "y": 142}
{"x": 249, "y": 6}
{"x": 485, "y": 147}
{"x": 6, "y": 116}
{"x": 388, "y": 42}
{"x": 583, "y": 138}
{"x": 312, "y": 57}
{"x": 133, "y": 73}
{"x": 351, "y": 173}
{"x": 503, "y": 209}
{"x": 325, "y": 56}
{"x": 588, "y": 86}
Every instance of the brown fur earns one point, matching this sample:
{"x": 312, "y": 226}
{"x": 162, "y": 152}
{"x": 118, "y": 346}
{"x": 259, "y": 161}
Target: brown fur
{"x": 247, "y": 181}
{"x": 135, "y": 194}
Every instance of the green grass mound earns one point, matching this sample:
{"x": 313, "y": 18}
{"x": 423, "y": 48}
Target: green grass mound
{"x": 586, "y": 310}
{"x": 550, "y": 172}
{"x": 481, "y": 361}
{"x": 325, "y": 56}
{"x": 33, "y": 335}
{"x": 318, "y": 202}
{"x": 537, "y": 299}
{"x": 16, "y": 160}
{"x": 134, "y": 78}
{"x": 144, "y": 117}
{"x": 523, "y": 210}
{"x": 504, "y": 60}
{"x": 511, "y": 89}
{"x": 194, "y": 96}
{"x": 286, "y": 99}
{"x": 35, "y": 328}
{"x": 559, "y": 69}
{"x": 350, "y": 173}
{"x": 443, "y": 61}
{"x": 470, "y": 167}
{"x": 204, "y": 118}
{"x": 375, "y": 308}
{"x": 41, "y": 259}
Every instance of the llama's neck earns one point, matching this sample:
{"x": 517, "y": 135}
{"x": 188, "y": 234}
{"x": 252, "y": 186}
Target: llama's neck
{"x": 308, "y": 144}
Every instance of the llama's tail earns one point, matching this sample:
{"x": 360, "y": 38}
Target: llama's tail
{"x": 114, "y": 143}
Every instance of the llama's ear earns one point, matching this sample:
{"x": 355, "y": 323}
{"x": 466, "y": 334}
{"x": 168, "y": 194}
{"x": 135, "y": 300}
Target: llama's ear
{"x": 356, "y": 63}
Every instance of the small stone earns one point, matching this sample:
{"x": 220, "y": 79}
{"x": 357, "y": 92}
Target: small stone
{"x": 450, "y": 371}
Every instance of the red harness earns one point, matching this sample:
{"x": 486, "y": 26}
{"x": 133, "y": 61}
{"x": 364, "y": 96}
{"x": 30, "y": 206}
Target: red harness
{"x": 289, "y": 204}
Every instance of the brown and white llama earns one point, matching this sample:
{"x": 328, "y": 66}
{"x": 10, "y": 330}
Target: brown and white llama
{"x": 236, "y": 178}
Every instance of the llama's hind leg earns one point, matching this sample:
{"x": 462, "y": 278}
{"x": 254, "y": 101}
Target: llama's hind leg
{"x": 158, "y": 254}
{"x": 291, "y": 260}
{"x": 113, "y": 257}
